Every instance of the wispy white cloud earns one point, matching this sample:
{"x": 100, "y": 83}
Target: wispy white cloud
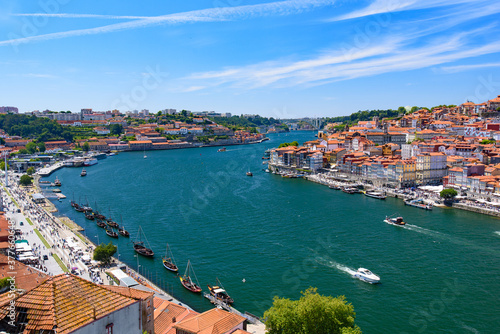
{"x": 461, "y": 68}
{"x": 205, "y": 15}
{"x": 392, "y": 55}
{"x": 193, "y": 89}
{"x": 391, "y": 6}
{"x": 82, "y": 16}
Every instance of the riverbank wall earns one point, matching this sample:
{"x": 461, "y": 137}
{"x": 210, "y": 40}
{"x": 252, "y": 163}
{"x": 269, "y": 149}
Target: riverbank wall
{"x": 483, "y": 211}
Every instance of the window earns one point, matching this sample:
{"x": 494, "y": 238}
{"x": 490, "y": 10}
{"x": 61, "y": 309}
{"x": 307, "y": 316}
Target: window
{"x": 149, "y": 317}
{"x": 109, "y": 329}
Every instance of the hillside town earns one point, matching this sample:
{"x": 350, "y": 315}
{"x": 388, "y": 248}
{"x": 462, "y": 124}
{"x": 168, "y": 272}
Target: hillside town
{"x": 106, "y": 132}
{"x": 450, "y": 146}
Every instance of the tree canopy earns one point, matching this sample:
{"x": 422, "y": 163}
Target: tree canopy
{"x": 293, "y": 143}
{"x": 448, "y": 194}
{"x": 40, "y": 128}
{"x": 116, "y": 129}
{"x": 103, "y": 253}
{"x": 312, "y": 313}
{"x": 25, "y": 180}
{"x": 30, "y": 170}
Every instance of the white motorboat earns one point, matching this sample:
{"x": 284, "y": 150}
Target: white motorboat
{"x": 398, "y": 221}
{"x": 366, "y": 275}
{"x": 375, "y": 194}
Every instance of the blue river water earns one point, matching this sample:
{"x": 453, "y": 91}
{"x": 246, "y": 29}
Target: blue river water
{"x": 266, "y": 236}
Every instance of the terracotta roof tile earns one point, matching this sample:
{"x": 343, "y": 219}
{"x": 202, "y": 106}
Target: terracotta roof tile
{"x": 66, "y": 302}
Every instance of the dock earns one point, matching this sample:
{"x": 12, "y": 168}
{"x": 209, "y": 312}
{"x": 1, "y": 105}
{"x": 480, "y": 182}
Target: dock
{"x": 51, "y": 169}
{"x": 220, "y": 304}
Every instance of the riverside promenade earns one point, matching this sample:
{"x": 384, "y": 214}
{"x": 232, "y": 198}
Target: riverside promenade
{"x": 429, "y": 197}
{"x": 60, "y": 240}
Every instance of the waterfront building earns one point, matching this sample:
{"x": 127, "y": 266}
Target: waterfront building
{"x": 430, "y": 168}
{"x": 69, "y": 304}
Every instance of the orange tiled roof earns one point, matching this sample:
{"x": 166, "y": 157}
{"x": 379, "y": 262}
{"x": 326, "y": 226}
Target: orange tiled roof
{"x": 26, "y": 277}
{"x": 214, "y": 321}
{"x": 168, "y": 313}
{"x": 66, "y": 302}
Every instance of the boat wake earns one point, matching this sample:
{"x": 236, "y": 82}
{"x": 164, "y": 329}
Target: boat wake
{"x": 449, "y": 238}
{"x": 497, "y": 233}
{"x": 335, "y": 265}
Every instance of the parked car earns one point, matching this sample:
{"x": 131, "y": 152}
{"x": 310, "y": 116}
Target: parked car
{"x": 45, "y": 257}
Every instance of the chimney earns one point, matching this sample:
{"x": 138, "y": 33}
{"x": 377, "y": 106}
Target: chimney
{"x": 174, "y": 320}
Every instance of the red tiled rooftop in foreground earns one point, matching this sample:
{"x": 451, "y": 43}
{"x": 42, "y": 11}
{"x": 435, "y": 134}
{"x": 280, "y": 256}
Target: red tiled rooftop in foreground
{"x": 214, "y": 321}
{"x": 64, "y": 303}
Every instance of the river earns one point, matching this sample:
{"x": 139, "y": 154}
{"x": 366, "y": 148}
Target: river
{"x": 265, "y": 235}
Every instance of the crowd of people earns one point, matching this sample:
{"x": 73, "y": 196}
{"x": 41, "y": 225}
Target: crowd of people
{"x": 54, "y": 232}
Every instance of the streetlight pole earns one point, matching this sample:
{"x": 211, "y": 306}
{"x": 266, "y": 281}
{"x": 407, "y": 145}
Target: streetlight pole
{"x": 138, "y": 266}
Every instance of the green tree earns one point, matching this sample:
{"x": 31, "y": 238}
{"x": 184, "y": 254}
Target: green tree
{"x": 31, "y": 147}
{"x": 86, "y": 146}
{"x": 103, "y": 253}
{"x": 31, "y": 171}
{"x": 293, "y": 143}
{"x": 2, "y": 165}
{"x": 5, "y": 282}
{"x": 25, "y": 180}
{"x": 312, "y": 313}
{"x": 41, "y": 146}
{"x": 116, "y": 129}
{"x": 487, "y": 141}
{"x": 448, "y": 194}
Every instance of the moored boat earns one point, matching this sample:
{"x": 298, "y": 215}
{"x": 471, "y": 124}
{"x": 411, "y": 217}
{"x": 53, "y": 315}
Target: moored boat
{"x": 366, "y": 275}
{"x": 100, "y": 223}
{"x": 111, "y": 233}
{"x": 418, "y": 203}
{"x": 123, "y": 231}
{"x": 90, "y": 162}
{"x": 89, "y": 215}
{"x": 220, "y": 293}
{"x": 139, "y": 245}
{"x": 168, "y": 260}
{"x": 111, "y": 223}
{"x": 187, "y": 281}
{"x": 350, "y": 190}
{"x": 57, "y": 183}
{"x": 375, "y": 194}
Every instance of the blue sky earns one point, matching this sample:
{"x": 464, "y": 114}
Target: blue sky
{"x": 274, "y": 58}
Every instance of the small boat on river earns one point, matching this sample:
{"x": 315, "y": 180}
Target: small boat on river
{"x": 139, "y": 245}
{"x": 168, "y": 260}
{"x": 57, "y": 183}
{"x": 100, "y": 223}
{"x": 350, "y": 190}
{"x": 123, "y": 231}
{"x": 220, "y": 293}
{"x": 366, "y": 275}
{"x": 111, "y": 233}
{"x": 398, "y": 221}
{"x": 375, "y": 194}
{"x": 249, "y": 174}
{"x": 221, "y": 149}
{"x": 418, "y": 203}
{"x": 187, "y": 280}
{"x": 83, "y": 173}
